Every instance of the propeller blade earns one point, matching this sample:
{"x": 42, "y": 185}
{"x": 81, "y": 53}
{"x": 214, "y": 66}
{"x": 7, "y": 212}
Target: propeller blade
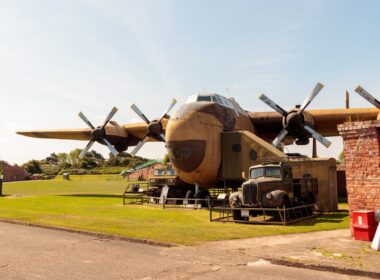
{"x": 273, "y": 105}
{"x": 110, "y": 115}
{"x": 110, "y": 147}
{"x": 162, "y": 136}
{"x": 138, "y": 112}
{"x": 367, "y": 96}
{"x": 318, "y": 87}
{"x": 86, "y": 149}
{"x": 83, "y": 117}
{"x": 174, "y": 101}
{"x": 317, "y": 136}
{"x": 139, "y": 145}
{"x": 276, "y": 142}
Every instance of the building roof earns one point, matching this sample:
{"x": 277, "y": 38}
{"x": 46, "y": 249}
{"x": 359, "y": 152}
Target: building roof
{"x": 143, "y": 165}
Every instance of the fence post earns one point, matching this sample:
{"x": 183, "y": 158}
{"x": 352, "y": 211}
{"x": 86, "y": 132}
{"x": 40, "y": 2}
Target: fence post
{"x": 163, "y": 201}
{"x": 1, "y": 185}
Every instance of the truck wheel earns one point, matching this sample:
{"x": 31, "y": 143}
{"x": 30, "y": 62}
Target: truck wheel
{"x": 284, "y": 203}
{"x": 236, "y": 214}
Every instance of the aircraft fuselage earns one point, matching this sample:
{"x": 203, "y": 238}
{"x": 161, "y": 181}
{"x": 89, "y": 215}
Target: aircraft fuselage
{"x": 193, "y": 137}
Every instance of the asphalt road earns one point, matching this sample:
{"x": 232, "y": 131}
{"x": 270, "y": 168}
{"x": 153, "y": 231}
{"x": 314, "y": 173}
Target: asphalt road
{"x": 37, "y": 253}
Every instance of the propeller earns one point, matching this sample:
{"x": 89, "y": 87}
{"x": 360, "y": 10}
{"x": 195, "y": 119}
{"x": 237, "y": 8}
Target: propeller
{"x": 367, "y": 96}
{"x": 98, "y": 134}
{"x": 294, "y": 121}
{"x": 154, "y": 127}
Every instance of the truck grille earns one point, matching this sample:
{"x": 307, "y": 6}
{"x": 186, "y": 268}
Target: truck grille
{"x": 249, "y": 194}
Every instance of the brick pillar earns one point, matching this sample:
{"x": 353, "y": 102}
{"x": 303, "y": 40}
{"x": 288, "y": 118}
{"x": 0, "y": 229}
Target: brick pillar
{"x": 361, "y": 142}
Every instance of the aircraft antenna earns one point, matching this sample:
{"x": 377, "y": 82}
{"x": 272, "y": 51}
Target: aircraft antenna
{"x": 347, "y": 99}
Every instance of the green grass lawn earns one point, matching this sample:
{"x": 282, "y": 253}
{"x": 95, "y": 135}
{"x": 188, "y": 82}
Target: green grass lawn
{"x": 94, "y": 203}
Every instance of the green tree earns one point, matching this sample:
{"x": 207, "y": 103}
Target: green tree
{"x": 33, "y": 166}
{"x": 166, "y": 159}
{"x": 63, "y": 160}
{"x": 52, "y": 159}
{"x": 74, "y": 159}
{"x": 341, "y": 157}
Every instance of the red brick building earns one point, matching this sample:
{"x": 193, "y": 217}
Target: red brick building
{"x": 13, "y": 173}
{"x": 143, "y": 171}
{"x": 362, "y": 161}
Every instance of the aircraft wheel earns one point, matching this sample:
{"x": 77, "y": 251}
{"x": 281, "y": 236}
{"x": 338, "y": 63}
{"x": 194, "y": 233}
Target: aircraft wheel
{"x": 204, "y": 194}
{"x": 189, "y": 194}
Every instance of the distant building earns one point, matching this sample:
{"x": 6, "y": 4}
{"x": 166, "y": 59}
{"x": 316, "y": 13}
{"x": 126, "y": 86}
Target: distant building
{"x": 143, "y": 171}
{"x": 13, "y": 173}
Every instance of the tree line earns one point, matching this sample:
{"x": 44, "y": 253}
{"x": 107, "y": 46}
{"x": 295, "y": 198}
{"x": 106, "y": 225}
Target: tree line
{"x": 92, "y": 163}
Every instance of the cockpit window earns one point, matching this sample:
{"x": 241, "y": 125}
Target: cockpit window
{"x": 204, "y": 98}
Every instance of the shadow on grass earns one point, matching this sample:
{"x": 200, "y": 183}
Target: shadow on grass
{"x": 89, "y": 195}
{"x": 333, "y": 218}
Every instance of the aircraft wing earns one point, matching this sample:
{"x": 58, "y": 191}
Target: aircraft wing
{"x": 71, "y": 134}
{"x": 269, "y": 124}
{"x": 135, "y": 130}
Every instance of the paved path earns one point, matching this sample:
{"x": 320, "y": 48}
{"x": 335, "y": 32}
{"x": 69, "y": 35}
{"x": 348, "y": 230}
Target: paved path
{"x": 37, "y": 253}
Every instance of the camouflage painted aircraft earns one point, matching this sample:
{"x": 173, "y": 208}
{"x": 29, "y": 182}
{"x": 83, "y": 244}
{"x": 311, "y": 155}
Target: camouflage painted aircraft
{"x": 193, "y": 133}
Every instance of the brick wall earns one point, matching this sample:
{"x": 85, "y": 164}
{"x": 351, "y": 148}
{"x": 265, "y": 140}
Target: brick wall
{"x": 361, "y": 142}
{"x": 13, "y": 173}
{"x": 145, "y": 173}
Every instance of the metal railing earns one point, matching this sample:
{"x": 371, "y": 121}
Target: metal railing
{"x": 192, "y": 203}
{"x": 137, "y": 196}
{"x": 274, "y": 216}
{"x": 169, "y": 202}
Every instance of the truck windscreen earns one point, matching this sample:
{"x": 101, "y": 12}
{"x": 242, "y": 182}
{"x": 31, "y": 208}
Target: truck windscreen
{"x": 270, "y": 171}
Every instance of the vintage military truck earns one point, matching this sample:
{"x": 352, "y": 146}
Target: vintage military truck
{"x": 272, "y": 185}
{"x": 165, "y": 177}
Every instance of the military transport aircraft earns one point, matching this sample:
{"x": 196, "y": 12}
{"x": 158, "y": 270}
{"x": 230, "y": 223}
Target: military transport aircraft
{"x": 193, "y": 133}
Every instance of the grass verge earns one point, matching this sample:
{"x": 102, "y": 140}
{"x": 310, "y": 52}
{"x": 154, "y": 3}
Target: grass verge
{"x": 95, "y": 204}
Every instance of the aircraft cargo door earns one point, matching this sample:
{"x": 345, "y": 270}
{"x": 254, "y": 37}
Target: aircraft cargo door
{"x": 241, "y": 150}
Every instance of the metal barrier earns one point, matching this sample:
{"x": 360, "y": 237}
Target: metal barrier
{"x": 285, "y": 216}
{"x": 137, "y": 195}
{"x": 167, "y": 202}
{"x": 193, "y": 203}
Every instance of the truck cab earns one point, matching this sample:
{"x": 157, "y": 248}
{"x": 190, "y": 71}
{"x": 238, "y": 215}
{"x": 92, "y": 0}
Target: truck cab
{"x": 272, "y": 185}
{"x": 163, "y": 177}
{"x": 166, "y": 177}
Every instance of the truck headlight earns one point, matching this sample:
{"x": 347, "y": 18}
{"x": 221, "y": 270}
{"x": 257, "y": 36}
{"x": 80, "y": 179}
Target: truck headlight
{"x": 235, "y": 198}
{"x": 269, "y": 196}
{"x": 152, "y": 180}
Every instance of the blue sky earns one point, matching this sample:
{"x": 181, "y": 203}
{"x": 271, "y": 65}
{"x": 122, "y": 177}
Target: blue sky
{"x": 60, "y": 57}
